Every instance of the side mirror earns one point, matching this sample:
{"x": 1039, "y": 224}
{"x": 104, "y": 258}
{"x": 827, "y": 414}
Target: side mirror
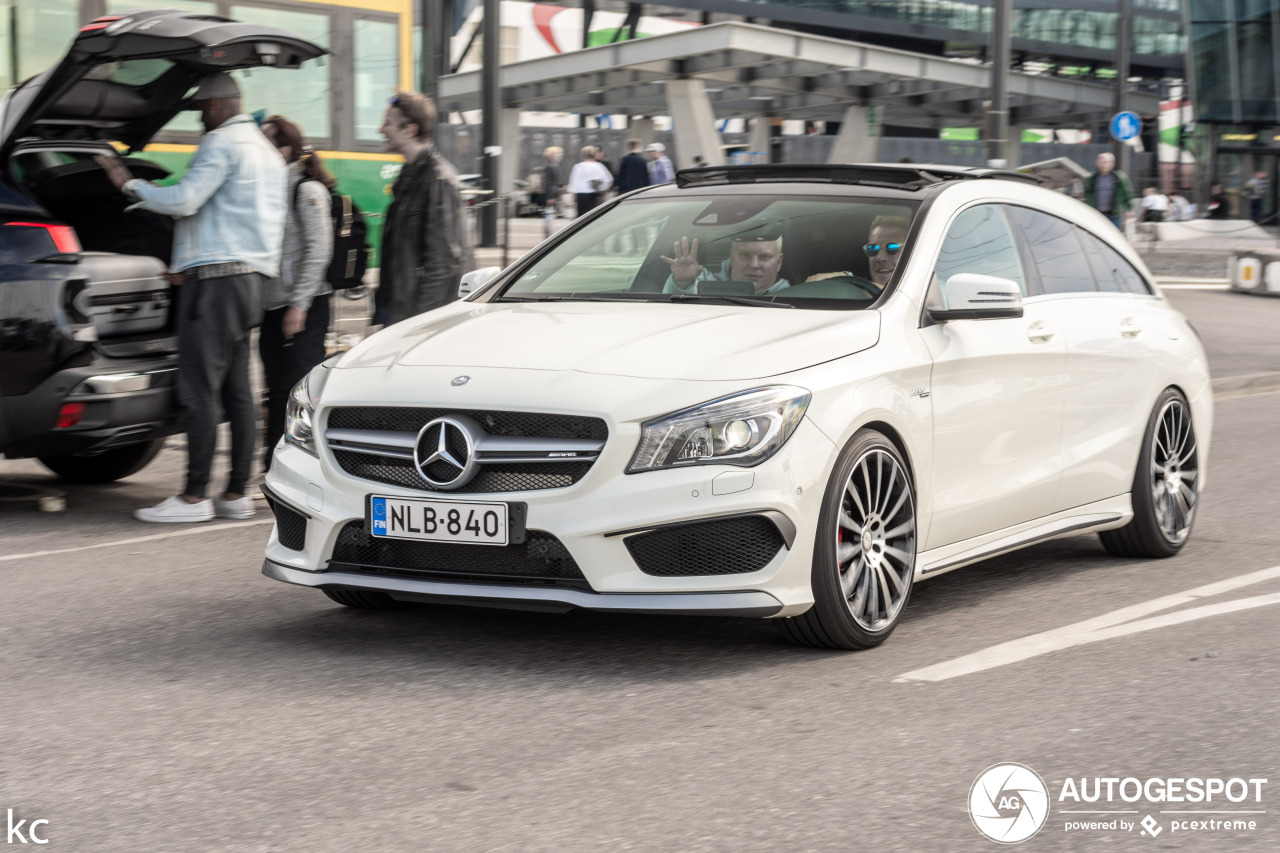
{"x": 476, "y": 279}
{"x": 969, "y": 296}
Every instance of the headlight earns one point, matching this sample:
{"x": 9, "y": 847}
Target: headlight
{"x": 297, "y": 417}
{"x": 742, "y": 429}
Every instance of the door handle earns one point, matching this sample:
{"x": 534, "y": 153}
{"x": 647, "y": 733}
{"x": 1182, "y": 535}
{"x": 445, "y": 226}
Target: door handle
{"x": 1129, "y": 329}
{"x": 1038, "y": 333}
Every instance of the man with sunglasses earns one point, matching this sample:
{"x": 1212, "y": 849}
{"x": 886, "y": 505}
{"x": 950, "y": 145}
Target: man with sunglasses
{"x": 424, "y": 243}
{"x": 884, "y": 247}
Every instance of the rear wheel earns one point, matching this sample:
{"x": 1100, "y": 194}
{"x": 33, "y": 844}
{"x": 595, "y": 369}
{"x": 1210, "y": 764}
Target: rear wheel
{"x": 362, "y": 599}
{"x": 865, "y": 554}
{"x": 104, "y": 467}
{"x": 1166, "y": 485}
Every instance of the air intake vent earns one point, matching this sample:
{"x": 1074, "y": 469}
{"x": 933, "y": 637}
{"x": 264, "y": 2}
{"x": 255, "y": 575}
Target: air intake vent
{"x": 541, "y": 559}
{"x": 726, "y": 546}
{"x": 291, "y": 525}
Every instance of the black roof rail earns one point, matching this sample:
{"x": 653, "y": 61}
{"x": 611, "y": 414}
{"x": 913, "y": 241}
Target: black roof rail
{"x": 899, "y": 176}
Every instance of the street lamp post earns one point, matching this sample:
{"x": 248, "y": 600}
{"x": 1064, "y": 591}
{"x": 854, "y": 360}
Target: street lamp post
{"x": 491, "y": 106}
{"x": 998, "y": 114}
{"x": 1124, "y": 48}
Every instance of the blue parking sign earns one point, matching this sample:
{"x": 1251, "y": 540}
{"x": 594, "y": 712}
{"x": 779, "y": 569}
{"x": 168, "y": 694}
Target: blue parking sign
{"x": 1125, "y": 126}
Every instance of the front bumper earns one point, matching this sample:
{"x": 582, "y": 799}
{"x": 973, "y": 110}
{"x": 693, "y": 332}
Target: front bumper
{"x": 521, "y": 598}
{"x": 592, "y": 519}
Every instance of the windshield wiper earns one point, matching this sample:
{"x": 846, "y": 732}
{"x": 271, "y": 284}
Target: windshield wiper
{"x": 724, "y": 298}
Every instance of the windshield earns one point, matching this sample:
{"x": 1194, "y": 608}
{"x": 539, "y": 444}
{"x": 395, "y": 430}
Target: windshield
{"x": 774, "y": 250}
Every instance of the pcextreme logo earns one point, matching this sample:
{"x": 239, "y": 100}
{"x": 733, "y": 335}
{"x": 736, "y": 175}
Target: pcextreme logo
{"x": 1008, "y": 803}
{"x": 15, "y": 834}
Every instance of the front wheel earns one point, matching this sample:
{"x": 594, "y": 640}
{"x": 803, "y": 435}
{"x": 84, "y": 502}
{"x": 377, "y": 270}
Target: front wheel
{"x": 1166, "y": 485}
{"x": 865, "y": 554}
{"x": 107, "y": 466}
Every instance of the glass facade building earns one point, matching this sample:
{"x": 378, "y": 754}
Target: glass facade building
{"x": 1234, "y": 67}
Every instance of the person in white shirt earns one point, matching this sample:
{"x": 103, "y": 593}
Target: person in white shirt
{"x": 588, "y": 179}
{"x": 1155, "y": 205}
{"x": 660, "y": 169}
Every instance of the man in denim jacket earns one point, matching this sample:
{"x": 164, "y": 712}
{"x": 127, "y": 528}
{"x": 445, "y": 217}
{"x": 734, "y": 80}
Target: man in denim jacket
{"x": 230, "y": 209}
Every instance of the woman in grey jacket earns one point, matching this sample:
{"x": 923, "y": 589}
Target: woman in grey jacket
{"x": 291, "y": 340}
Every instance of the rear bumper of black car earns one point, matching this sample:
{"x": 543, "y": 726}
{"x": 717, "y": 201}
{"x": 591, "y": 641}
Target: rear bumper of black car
{"x": 121, "y": 407}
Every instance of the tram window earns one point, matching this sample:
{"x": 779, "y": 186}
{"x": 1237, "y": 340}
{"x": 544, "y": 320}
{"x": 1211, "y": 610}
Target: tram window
{"x": 376, "y": 74}
{"x": 301, "y": 95}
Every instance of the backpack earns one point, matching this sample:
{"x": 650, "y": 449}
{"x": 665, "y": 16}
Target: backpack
{"x": 350, "y": 241}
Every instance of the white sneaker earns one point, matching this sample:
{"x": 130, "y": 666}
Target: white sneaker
{"x": 240, "y": 508}
{"x": 174, "y": 509}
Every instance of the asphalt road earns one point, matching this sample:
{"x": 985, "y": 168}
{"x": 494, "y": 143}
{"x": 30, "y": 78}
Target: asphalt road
{"x": 161, "y": 695}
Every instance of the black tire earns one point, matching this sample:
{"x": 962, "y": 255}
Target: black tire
{"x": 362, "y": 599}
{"x": 1166, "y": 474}
{"x": 849, "y": 579}
{"x": 105, "y": 467}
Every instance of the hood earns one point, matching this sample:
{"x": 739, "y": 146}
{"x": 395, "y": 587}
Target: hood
{"x": 126, "y": 75}
{"x": 652, "y": 341}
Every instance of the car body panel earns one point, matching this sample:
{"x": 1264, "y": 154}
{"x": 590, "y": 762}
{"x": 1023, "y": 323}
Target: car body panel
{"x": 655, "y": 341}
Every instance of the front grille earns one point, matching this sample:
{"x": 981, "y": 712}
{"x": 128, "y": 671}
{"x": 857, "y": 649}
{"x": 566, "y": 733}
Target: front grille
{"x": 509, "y": 477}
{"x": 727, "y": 546}
{"x": 493, "y": 476}
{"x": 291, "y": 525}
{"x": 542, "y": 558}
{"x": 531, "y": 424}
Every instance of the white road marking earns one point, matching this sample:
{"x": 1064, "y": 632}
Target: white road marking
{"x": 1117, "y": 623}
{"x": 155, "y": 537}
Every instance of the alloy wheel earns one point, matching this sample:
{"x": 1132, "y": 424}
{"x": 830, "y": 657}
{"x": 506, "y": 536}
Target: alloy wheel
{"x": 876, "y": 540}
{"x": 1174, "y": 471}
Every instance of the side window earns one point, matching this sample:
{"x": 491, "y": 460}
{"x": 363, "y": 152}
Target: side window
{"x": 980, "y": 241}
{"x": 1057, "y": 252}
{"x": 1114, "y": 273}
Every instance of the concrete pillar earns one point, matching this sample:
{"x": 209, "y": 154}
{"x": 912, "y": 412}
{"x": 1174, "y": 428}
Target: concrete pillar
{"x": 859, "y": 138}
{"x": 758, "y": 143}
{"x": 642, "y": 129}
{"x": 694, "y": 123}
{"x": 509, "y": 139}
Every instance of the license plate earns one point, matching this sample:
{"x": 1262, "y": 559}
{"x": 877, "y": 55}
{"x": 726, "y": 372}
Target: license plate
{"x": 439, "y": 521}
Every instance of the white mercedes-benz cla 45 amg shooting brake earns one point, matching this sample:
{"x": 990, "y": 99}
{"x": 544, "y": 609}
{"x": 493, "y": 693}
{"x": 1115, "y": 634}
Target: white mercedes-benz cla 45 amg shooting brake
{"x": 786, "y": 392}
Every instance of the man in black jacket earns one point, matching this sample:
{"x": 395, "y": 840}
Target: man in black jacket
{"x": 633, "y": 171}
{"x": 425, "y": 249}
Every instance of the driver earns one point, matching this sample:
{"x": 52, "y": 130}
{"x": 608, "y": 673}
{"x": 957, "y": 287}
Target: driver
{"x": 756, "y": 257}
{"x": 884, "y": 246}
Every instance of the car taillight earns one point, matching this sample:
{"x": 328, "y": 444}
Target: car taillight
{"x": 63, "y": 236}
{"x": 70, "y": 414}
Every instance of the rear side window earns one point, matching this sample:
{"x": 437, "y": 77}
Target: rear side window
{"x": 981, "y": 241}
{"x": 1114, "y": 273}
{"x": 1059, "y": 257}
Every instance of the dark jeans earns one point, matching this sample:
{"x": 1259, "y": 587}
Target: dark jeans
{"x": 215, "y": 317}
{"x": 286, "y": 361}
{"x": 586, "y": 201}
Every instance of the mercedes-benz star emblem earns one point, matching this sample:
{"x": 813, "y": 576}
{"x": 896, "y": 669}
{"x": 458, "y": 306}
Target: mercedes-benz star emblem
{"x": 445, "y": 452}
{"x": 460, "y": 380}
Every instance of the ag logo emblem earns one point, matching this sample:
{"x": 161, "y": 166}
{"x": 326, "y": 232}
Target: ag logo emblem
{"x": 1008, "y": 803}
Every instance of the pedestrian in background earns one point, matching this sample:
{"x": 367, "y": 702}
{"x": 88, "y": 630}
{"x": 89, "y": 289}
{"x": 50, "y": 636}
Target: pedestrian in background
{"x": 660, "y": 169}
{"x": 588, "y": 179}
{"x": 425, "y": 248}
{"x": 698, "y": 162}
{"x": 1219, "y": 206}
{"x": 1257, "y": 186}
{"x": 230, "y": 208}
{"x": 633, "y": 170}
{"x": 1109, "y": 190}
{"x": 1155, "y": 205}
{"x": 552, "y": 187}
{"x": 296, "y": 303}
